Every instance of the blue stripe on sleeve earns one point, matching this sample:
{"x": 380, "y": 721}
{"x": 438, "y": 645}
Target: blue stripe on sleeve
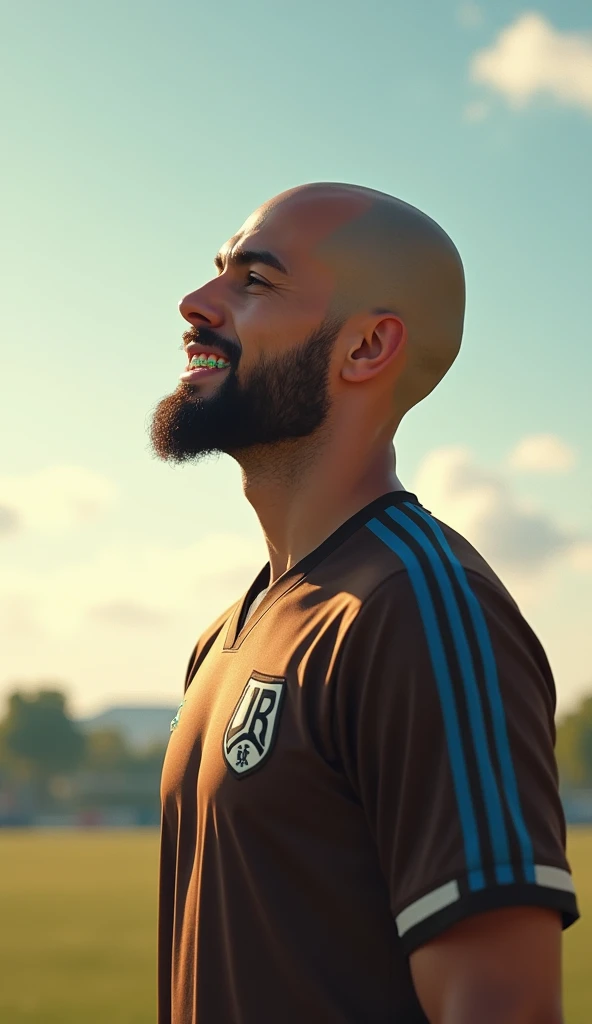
{"x": 495, "y": 699}
{"x": 493, "y": 805}
{"x": 446, "y": 693}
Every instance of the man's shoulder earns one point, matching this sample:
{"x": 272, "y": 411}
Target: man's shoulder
{"x": 404, "y": 549}
{"x": 433, "y": 605}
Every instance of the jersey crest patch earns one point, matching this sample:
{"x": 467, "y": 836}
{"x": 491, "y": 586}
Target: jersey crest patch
{"x": 252, "y": 729}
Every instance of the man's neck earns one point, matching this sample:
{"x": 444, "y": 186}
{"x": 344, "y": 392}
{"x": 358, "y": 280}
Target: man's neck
{"x": 300, "y": 507}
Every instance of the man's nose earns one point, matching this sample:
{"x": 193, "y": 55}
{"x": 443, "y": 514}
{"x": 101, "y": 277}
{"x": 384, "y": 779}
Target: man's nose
{"x": 200, "y": 307}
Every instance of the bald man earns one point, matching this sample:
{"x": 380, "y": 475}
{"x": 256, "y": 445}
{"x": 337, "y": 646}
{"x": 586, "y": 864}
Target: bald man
{"x": 360, "y": 814}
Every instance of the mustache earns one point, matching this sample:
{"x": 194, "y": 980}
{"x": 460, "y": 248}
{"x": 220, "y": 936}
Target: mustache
{"x": 203, "y": 335}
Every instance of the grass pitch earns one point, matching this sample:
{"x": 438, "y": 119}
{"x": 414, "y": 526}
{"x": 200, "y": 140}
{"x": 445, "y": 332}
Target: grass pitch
{"x": 78, "y": 928}
{"x": 577, "y": 944}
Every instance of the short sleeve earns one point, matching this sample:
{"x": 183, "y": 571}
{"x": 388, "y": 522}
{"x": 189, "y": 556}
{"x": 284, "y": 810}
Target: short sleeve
{"x": 444, "y": 722}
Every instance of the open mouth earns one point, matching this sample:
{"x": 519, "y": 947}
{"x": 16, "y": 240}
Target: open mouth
{"x": 203, "y": 363}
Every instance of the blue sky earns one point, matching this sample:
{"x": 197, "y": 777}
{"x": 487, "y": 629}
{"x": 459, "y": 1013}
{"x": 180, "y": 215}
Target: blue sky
{"x": 138, "y": 137}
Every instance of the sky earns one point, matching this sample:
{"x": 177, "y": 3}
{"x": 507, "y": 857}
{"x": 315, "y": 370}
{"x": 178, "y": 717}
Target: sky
{"x": 138, "y": 137}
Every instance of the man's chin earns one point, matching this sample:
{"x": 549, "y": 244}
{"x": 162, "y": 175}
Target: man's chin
{"x": 173, "y": 429}
{"x": 183, "y": 428}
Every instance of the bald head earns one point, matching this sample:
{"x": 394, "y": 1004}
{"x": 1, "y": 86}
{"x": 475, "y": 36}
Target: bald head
{"x": 382, "y": 255}
{"x": 335, "y": 310}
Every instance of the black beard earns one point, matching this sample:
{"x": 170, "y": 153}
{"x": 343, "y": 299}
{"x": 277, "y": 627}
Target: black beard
{"x": 284, "y": 396}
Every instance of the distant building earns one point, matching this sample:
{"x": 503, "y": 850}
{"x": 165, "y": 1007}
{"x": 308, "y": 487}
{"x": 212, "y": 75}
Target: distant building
{"x": 141, "y": 726}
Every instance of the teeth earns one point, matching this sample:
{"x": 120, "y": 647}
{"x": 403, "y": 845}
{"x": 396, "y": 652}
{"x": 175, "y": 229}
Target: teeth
{"x": 209, "y": 361}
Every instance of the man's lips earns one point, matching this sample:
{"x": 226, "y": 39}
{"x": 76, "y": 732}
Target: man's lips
{"x": 194, "y": 373}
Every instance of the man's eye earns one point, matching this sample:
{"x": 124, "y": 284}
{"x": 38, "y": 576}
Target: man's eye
{"x": 254, "y": 279}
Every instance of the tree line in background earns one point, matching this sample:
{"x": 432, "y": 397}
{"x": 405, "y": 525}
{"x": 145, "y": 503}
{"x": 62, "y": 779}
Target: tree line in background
{"x": 42, "y": 746}
{"x": 574, "y": 746}
{"x": 44, "y": 752}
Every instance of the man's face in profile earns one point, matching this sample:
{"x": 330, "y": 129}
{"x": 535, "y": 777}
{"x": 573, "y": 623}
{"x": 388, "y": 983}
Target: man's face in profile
{"x": 263, "y": 320}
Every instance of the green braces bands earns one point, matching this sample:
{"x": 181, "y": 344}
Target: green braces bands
{"x": 209, "y": 361}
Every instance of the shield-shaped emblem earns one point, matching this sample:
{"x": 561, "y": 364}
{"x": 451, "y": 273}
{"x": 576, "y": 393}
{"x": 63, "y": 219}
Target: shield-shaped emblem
{"x": 252, "y": 729}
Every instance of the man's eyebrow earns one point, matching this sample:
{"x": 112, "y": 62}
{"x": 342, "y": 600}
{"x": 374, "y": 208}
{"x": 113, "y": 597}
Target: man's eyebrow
{"x": 241, "y": 257}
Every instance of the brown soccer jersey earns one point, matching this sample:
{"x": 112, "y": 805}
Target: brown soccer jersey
{"x": 365, "y": 762}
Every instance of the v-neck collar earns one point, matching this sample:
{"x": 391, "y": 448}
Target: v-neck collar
{"x": 296, "y": 573}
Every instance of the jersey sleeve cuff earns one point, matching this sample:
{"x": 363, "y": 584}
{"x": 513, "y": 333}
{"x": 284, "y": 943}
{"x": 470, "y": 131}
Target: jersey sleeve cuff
{"x": 430, "y": 915}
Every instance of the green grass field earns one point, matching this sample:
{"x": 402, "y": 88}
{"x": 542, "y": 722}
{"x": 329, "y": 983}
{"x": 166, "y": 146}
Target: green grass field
{"x": 78, "y": 928}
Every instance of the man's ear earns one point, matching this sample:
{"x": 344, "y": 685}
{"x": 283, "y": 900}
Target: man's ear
{"x": 381, "y": 346}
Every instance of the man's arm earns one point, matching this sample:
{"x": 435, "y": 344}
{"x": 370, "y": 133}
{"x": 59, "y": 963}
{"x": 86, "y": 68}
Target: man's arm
{"x": 502, "y": 967}
{"x": 445, "y": 728}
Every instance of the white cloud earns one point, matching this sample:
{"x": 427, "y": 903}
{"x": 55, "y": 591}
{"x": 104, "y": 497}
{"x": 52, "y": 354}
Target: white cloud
{"x": 129, "y": 615}
{"x": 530, "y": 57}
{"x": 476, "y": 111}
{"x": 54, "y": 498}
{"x": 123, "y": 620}
{"x": 581, "y": 557}
{"x": 517, "y": 538}
{"x": 542, "y": 453}
{"x": 10, "y": 521}
{"x": 469, "y": 14}
{"x": 141, "y": 586}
